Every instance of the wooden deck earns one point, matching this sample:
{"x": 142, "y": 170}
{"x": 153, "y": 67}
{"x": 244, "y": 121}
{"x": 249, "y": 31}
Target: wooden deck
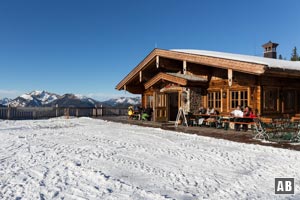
{"x": 231, "y": 135}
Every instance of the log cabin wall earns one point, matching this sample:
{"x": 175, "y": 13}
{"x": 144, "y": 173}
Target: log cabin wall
{"x": 280, "y": 96}
{"x": 271, "y": 96}
{"x": 245, "y": 90}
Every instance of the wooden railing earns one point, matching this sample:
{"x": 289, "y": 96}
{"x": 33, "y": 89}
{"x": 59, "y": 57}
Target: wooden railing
{"x": 15, "y": 113}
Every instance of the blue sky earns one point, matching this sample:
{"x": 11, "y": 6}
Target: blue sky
{"x": 87, "y": 47}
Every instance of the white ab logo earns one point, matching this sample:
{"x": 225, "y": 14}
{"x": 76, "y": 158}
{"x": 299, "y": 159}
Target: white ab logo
{"x": 287, "y": 188}
{"x": 284, "y": 185}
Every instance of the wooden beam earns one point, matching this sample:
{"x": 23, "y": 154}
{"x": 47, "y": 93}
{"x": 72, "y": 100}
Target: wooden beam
{"x": 184, "y": 67}
{"x": 157, "y": 61}
{"x": 167, "y": 77}
{"x": 283, "y": 73}
{"x": 141, "y": 76}
{"x": 230, "y": 77}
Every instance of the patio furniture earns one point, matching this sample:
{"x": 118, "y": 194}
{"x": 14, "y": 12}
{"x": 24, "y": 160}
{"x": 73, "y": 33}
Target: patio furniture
{"x": 263, "y": 130}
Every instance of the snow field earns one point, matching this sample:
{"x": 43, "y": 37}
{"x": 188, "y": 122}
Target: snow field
{"x": 84, "y": 158}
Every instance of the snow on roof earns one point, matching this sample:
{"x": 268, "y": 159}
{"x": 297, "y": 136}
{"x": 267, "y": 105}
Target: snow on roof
{"x": 270, "y": 62}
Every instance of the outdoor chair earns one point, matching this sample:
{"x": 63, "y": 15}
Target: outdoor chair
{"x": 263, "y": 131}
{"x": 296, "y": 137}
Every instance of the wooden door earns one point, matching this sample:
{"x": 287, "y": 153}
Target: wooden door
{"x": 173, "y": 106}
{"x": 160, "y": 107}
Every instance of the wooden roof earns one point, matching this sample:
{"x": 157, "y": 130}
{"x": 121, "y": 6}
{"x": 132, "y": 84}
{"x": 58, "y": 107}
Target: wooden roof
{"x": 170, "y": 61}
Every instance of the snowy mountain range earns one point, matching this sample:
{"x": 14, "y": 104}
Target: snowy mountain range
{"x": 123, "y": 101}
{"x": 48, "y": 99}
{"x": 33, "y": 99}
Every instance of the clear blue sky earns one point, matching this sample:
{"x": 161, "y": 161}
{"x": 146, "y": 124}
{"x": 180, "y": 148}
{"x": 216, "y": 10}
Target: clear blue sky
{"x": 87, "y": 47}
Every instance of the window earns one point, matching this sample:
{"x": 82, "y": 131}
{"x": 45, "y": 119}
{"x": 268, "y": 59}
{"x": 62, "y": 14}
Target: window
{"x": 149, "y": 101}
{"x": 234, "y": 99}
{"x": 270, "y": 99}
{"x": 238, "y": 98}
{"x": 210, "y": 97}
{"x": 289, "y": 98}
{"x": 161, "y": 100}
{"x": 214, "y": 99}
{"x": 244, "y": 98}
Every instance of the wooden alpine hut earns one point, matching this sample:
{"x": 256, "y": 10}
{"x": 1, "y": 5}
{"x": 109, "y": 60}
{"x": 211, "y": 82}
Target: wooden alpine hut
{"x": 170, "y": 79}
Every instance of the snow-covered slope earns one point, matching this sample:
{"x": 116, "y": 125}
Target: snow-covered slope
{"x": 44, "y": 97}
{"x": 34, "y": 98}
{"x": 123, "y": 101}
{"x": 5, "y": 101}
{"x": 94, "y": 159}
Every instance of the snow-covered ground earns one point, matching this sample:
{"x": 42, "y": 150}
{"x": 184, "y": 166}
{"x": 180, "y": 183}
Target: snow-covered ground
{"x": 94, "y": 159}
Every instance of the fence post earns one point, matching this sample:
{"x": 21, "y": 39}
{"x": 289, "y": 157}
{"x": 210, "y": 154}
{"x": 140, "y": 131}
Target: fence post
{"x": 77, "y": 114}
{"x": 66, "y": 113}
{"x": 34, "y": 114}
{"x": 8, "y": 111}
{"x": 101, "y": 110}
{"x": 96, "y": 110}
{"x": 56, "y": 110}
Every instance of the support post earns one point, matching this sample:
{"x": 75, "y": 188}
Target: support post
{"x": 101, "y": 110}
{"x": 184, "y": 67}
{"x": 96, "y": 111}
{"x": 230, "y": 77}
{"x": 141, "y": 78}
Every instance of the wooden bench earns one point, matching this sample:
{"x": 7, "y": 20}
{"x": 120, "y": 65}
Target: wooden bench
{"x": 251, "y": 123}
{"x": 295, "y": 119}
{"x": 244, "y": 123}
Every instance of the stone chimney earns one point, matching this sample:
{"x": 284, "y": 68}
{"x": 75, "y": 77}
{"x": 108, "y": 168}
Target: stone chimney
{"x": 270, "y": 50}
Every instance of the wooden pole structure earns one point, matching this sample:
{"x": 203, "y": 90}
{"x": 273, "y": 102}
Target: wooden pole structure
{"x": 56, "y": 110}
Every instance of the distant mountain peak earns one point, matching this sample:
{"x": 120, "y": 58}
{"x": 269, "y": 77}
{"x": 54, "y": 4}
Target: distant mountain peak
{"x": 5, "y": 101}
{"x": 34, "y": 99}
{"x": 36, "y": 92}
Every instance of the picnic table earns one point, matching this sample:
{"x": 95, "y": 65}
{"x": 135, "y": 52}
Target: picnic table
{"x": 219, "y": 121}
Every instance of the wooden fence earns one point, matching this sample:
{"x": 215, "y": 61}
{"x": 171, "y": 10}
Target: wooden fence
{"x": 15, "y": 113}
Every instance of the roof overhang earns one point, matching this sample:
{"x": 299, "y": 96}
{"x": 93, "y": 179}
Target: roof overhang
{"x": 180, "y": 79}
{"x": 206, "y": 60}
